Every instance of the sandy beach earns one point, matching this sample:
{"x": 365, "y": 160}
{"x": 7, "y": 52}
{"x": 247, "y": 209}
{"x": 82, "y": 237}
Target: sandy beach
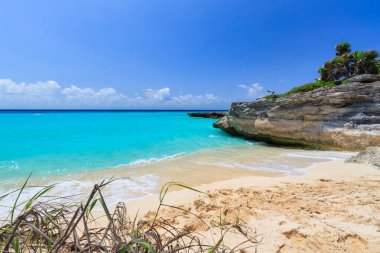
{"x": 294, "y": 200}
{"x": 334, "y": 207}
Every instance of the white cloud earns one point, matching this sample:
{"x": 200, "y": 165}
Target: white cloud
{"x": 254, "y": 91}
{"x": 89, "y": 96}
{"x": 159, "y": 95}
{"x": 13, "y": 94}
{"x": 196, "y": 100}
{"x": 50, "y": 94}
{"x": 8, "y": 86}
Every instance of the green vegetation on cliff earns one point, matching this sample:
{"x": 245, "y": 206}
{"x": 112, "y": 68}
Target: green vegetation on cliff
{"x": 302, "y": 88}
{"x": 347, "y": 64}
{"x": 344, "y": 65}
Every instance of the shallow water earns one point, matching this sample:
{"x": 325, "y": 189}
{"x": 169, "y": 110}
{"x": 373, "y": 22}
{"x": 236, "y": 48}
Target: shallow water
{"x": 63, "y": 142}
{"x": 142, "y": 150}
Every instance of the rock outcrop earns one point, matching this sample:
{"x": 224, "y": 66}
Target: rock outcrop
{"x": 370, "y": 155}
{"x": 344, "y": 117}
{"x": 211, "y": 115}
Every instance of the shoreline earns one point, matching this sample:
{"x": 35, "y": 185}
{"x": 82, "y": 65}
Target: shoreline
{"x": 314, "y": 172}
{"x": 151, "y": 161}
{"x": 308, "y": 158}
{"x": 207, "y": 166}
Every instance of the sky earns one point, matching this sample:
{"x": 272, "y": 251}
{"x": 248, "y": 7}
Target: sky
{"x": 169, "y": 54}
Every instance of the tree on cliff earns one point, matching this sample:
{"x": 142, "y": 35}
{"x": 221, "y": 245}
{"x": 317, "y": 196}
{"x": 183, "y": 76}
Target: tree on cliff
{"x": 347, "y": 64}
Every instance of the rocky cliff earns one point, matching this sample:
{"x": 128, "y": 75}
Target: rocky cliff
{"x": 346, "y": 117}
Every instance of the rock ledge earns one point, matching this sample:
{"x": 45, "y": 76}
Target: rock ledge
{"x": 211, "y": 115}
{"x": 345, "y": 117}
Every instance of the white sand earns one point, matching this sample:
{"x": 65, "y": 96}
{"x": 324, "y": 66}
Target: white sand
{"x": 335, "y": 207}
{"x": 335, "y": 170}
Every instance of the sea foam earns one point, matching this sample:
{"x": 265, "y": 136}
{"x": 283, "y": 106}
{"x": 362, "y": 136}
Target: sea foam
{"x": 122, "y": 189}
{"x": 288, "y": 163}
{"x": 8, "y": 166}
{"x": 153, "y": 159}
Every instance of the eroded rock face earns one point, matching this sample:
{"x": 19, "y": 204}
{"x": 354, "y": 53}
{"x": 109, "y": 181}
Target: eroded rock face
{"x": 340, "y": 117}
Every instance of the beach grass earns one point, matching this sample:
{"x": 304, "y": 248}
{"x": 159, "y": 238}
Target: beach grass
{"x": 58, "y": 225}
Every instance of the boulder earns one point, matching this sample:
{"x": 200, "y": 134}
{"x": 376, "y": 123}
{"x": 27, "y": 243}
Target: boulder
{"x": 370, "y": 155}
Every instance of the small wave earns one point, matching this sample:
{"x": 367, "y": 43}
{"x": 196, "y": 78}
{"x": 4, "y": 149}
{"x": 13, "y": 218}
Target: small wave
{"x": 325, "y": 155}
{"x": 7, "y": 166}
{"x": 122, "y": 189}
{"x": 233, "y": 165}
{"x": 126, "y": 189}
{"x": 150, "y": 160}
{"x": 55, "y": 171}
{"x": 287, "y": 170}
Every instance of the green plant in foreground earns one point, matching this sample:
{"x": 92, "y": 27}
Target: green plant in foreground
{"x": 71, "y": 227}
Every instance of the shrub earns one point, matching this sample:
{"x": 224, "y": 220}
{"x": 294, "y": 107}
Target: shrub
{"x": 343, "y": 48}
{"x": 347, "y": 64}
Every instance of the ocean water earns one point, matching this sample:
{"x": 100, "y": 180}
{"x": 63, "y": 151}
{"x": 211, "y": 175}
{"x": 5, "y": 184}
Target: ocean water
{"x": 142, "y": 150}
{"x": 51, "y": 142}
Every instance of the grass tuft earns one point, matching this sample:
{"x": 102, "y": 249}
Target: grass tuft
{"x": 53, "y": 226}
{"x": 302, "y": 88}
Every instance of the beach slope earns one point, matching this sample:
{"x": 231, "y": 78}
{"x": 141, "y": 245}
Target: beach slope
{"x": 334, "y": 208}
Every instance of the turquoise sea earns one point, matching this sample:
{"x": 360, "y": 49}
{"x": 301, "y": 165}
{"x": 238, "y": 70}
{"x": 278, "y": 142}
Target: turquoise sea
{"x": 76, "y": 149}
{"x": 53, "y": 142}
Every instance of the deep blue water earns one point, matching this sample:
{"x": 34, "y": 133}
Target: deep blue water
{"x": 48, "y": 142}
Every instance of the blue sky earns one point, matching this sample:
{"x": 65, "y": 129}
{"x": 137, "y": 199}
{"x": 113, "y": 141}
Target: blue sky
{"x": 169, "y": 54}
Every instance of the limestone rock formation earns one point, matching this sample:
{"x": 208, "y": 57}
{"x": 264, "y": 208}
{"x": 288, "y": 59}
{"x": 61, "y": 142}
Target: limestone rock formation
{"x": 343, "y": 117}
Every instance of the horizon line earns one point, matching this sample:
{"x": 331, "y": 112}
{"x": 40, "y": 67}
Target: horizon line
{"x": 114, "y": 110}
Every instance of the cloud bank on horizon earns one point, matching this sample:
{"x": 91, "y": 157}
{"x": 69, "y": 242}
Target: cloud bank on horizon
{"x": 52, "y": 95}
{"x": 172, "y": 54}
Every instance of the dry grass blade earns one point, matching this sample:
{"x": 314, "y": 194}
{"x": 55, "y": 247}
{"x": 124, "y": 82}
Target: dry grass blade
{"x": 51, "y": 226}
